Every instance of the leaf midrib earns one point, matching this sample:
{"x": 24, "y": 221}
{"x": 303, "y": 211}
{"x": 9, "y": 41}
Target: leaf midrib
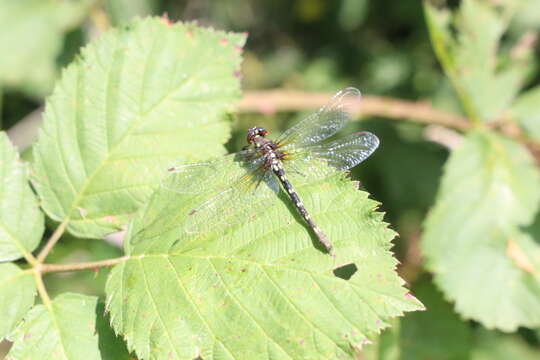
{"x": 110, "y": 152}
{"x": 251, "y": 262}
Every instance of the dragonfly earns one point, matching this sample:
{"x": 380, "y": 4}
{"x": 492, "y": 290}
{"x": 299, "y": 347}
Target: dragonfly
{"x": 235, "y": 187}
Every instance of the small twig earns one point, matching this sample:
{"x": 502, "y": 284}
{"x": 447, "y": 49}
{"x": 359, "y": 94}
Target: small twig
{"x": 52, "y": 240}
{"x": 41, "y": 286}
{"x": 288, "y": 100}
{"x": 47, "y": 268}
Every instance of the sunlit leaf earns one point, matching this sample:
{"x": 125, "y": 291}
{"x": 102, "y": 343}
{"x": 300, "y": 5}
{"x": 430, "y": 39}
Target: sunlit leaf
{"x": 31, "y": 38}
{"x": 473, "y": 243}
{"x": 258, "y": 289}
{"x": 21, "y": 220}
{"x": 17, "y": 292}
{"x": 138, "y": 100}
{"x": 66, "y": 329}
{"x": 467, "y": 45}
{"x": 526, "y": 111}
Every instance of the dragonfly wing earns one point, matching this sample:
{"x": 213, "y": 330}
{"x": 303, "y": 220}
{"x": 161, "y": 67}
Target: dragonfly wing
{"x": 341, "y": 154}
{"x": 346, "y": 152}
{"x": 199, "y": 183}
{"x": 214, "y": 175}
{"x": 322, "y": 124}
{"x": 241, "y": 202}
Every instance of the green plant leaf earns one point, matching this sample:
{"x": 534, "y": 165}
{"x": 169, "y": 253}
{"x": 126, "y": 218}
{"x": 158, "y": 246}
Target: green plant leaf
{"x": 467, "y": 45}
{"x": 493, "y": 346}
{"x": 526, "y": 111}
{"x": 138, "y": 100}
{"x": 17, "y": 292}
{"x": 257, "y": 289}
{"x": 66, "y": 328}
{"x": 437, "y": 333}
{"x": 383, "y": 347}
{"x": 472, "y": 240}
{"x": 21, "y": 220}
{"x": 32, "y": 33}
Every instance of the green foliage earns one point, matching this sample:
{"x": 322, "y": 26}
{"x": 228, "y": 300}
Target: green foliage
{"x": 486, "y": 81}
{"x": 493, "y": 346}
{"x": 251, "y": 281}
{"x": 17, "y": 292}
{"x": 21, "y": 221}
{"x": 422, "y": 338}
{"x": 258, "y": 289}
{"x": 32, "y": 38}
{"x": 122, "y": 11}
{"x": 527, "y": 112}
{"x": 472, "y": 238}
{"x": 139, "y": 100}
{"x": 66, "y": 328}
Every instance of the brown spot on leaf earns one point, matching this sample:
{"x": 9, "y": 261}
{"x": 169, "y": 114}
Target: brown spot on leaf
{"x": 514, "y": 252}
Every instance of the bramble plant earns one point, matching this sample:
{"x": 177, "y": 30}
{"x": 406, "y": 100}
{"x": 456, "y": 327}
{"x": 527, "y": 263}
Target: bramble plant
{"x": 152, "y": 94}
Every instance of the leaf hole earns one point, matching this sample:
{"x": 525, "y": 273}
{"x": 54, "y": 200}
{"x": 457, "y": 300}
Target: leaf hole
{"x": 345, "y": 272}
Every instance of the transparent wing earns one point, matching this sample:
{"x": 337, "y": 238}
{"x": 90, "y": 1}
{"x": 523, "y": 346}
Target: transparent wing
{"x": 340, "y": 154}
{"x": 323, "y": 123}
{"x": 346, "y": 152}
{"x": 243, "y": 201}
{"x": 212, "y": 176}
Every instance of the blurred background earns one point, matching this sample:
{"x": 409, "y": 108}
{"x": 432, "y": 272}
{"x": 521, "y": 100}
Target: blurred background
{"x": 379, "y": 46}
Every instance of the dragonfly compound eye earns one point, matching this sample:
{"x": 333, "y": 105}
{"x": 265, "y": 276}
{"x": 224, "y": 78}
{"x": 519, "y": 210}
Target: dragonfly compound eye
{"x": 254, "y": 132}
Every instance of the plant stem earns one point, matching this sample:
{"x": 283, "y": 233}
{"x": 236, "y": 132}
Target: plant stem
{"x": 47, "y": 268}
{"x": 53, "y": 240}
{"x": 41, "y": 286}
{"x": 288, "y": 100}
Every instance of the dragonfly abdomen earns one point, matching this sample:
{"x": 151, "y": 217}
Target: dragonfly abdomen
{"x": 280, "y": 173}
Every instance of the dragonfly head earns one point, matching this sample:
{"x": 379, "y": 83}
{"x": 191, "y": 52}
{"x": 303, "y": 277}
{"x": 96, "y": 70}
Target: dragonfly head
{"x": 254, "y": 132}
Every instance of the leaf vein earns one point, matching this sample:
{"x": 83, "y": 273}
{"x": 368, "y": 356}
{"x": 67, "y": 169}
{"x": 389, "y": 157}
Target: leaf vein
{"x": 245, "y": 310}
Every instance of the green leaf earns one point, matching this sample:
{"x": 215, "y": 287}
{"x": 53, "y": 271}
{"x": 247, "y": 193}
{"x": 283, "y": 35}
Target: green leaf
{"x": 17, "y": 292}
{"x": 385, "y": 346}
{"x": 65, "y": 329}
{"x": 526, "y": 111}
{"x": 21, "y": 220}
{"x": 257, "y": 289}
{"x": 493, "y": 346}
{"x": 138, "y": 100}
{"x": 437, "y": 333}
{"x": 467, "y": 45}
{"x": 473, "y": 241}
{"x": 32, "y": 33}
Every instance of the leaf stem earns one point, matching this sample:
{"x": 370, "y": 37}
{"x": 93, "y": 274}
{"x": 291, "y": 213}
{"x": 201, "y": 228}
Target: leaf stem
{"x": 41, "y": 286}
{"x": 53, "y": 240}
{"x": 47, "y": 268}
